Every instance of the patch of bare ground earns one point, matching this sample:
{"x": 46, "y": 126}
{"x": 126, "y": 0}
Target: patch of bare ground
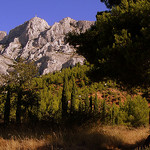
{"x": 87, "y": 137}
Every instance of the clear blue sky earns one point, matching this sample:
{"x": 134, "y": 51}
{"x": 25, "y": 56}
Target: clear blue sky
{"x": 16, "y": 12}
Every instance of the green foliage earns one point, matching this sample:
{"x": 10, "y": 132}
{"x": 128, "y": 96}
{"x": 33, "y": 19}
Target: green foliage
{"x": 91, "y": 103}
{"x": 73, "y": 97}
{"x": 137, "y": 110}
{"x": 114, "y": 114}
{"x": 103, "y": 111}
{"x": 96, "y": 104}
{"x": 46, "y": 99}
{"x": 118, "y": 43}
{"x": 87, "y": 104}
{"x": 110, "y": 3}
{"x": 65, "y": 97}
{"x": 23, "y": 72}
{"x": 19, "y": 77}
{"x": 7, "y": 106}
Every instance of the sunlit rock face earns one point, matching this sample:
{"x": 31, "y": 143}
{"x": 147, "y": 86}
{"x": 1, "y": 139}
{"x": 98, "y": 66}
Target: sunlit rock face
{"x": 37, "y": 41}
{"x": 2, "y": 35}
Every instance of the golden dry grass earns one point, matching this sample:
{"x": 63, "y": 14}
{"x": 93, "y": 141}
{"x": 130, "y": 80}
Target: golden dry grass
{"x": 21, "y": 144}
{"x": 95, "y": 137}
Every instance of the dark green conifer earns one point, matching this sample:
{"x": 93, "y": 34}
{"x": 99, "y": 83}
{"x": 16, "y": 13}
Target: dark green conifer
{"x": 7, "y": 106}
{"x": 91, "y": 104}
{"x": 113, "y": 115}
{"x": 96, "y": 104}
{"x": 73, "y": 97}
{"x": 65, "y": 97}
{"x": 80, "y": 107}
{"x": 87, "y": 104}
{"x": 104, "y": 111}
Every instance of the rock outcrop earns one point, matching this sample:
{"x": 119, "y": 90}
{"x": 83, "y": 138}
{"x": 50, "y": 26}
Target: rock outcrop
{"x": 2, "y": 35}
{"x": 36, "y": 40}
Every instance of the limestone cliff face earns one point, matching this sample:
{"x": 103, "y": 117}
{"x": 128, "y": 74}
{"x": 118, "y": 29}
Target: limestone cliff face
{"x": 36, "y": 40}
{"x": 2, "y": 35}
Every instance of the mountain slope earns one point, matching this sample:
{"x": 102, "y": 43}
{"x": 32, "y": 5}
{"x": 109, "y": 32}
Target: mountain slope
{"x": 36, "y": 40}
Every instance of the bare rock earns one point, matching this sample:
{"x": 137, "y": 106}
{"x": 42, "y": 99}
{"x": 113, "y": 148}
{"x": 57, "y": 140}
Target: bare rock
{"x": 2, "y": 35}
{"x": 28, "y": 31}
{"x": 36, "y": 40}
{"x": 4, "y": 64}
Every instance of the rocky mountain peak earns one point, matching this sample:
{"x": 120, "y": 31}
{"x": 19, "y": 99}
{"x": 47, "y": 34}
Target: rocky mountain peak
{"x": 67, "y": 20}
{"x": 37, "y": 41}
{"x": 27, "y": 31}
{"x": 37, "y": 24}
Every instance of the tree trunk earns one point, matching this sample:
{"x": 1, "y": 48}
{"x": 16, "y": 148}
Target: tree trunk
{"x": 18, "y": 111}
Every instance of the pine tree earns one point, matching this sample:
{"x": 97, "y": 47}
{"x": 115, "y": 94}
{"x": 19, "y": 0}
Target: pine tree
{"x": 7, "y": 106}
{"x": 18, "y": 111}
{"x": 82, "y": 83}
{"x": 80, "y": 107}
{"x": 21, "y": 76}
{"x": 104, "y": 111}
{"x": 73, "y": 97}
{"x": 23, "y": 73}
{"x": 87, "y": 104}
{"x": 117, "y": 49}
{"x": 96, "y": 104}
{"x": 65, "y": 97}
{"x": 91, "y": 104}
{"x": 113, "y": 115}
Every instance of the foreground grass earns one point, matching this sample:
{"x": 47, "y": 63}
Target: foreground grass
{"x": 95, "y": 137}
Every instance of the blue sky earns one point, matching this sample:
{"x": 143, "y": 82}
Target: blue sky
{"x": 16, "y": 12}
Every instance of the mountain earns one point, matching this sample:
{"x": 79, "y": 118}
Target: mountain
{"x": 37, "y": 41}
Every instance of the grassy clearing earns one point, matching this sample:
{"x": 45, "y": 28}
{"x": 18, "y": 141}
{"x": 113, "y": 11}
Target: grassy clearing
{"x": 87, "y": 137}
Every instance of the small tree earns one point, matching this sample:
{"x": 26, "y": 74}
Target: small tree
{"x": 65, "y": 97}
{"x": 91, "y": 103}
{"x": 7, "y": 88}
{"x": 80, "y": 107}
{"x": 96, "y": 104}
{"x": 137, "y": 110}
{"x": 7, "y": 106}
{"x": 103, "y": 111}
{"x": 73, "y": 97}
{"x": 21, "y": 76}
{"x": 114, "y": 114}
{"x": 87, "y": 104}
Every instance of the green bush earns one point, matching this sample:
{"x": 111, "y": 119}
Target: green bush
{"x": 137, "y": 110}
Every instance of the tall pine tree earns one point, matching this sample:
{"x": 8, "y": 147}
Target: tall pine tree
{"x": 7, "y": 106}
{"x": 87, "y": 104}
{"x": 20, "y": 76}
{"x": 103, "y": 111}
{"x": 91, "y": 104}
{"x": 73, "y": 96}
{"x": 65, "y": 97}
{"x": 96, "y": 104}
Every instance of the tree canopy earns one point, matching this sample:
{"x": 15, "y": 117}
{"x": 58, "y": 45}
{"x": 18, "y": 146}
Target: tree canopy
{"x": 119, "y": 44}
{"x": 113, "y": 3}
{"x": 20, "y": 75}
{"x": 110, "y": 3}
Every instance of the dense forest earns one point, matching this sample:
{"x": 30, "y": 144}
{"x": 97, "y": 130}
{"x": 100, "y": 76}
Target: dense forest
{"x": 118, "y": 45}
{"x": 69, "y": 96}
{"x": 112, "y": 86}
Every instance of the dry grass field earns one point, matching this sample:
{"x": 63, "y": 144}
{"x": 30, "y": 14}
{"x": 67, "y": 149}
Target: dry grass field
{"x": 89, "y": 137}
